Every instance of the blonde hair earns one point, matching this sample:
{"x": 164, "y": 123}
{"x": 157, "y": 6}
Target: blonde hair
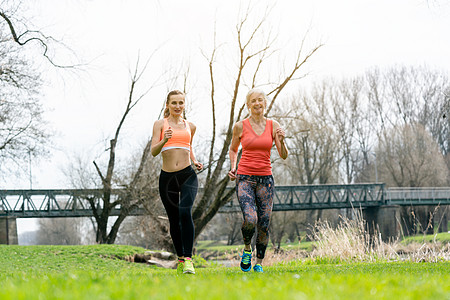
{"x": 256, "y": 91}
{"x": 171, "y": 93}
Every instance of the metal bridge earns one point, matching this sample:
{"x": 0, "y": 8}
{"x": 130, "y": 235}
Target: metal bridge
{"x": 418, "y": 196}
{"x": 56, "y": 203}
{"x": 74, "y": 203}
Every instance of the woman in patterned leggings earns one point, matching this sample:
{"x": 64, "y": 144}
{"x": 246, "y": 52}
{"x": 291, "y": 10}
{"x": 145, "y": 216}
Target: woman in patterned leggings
{"x": 254, "y": 181}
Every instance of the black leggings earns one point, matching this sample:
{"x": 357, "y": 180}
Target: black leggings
{"x": 178, "y": 190}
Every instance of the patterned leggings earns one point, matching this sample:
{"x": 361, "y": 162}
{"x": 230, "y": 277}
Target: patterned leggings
{"x": 255, "y": 195}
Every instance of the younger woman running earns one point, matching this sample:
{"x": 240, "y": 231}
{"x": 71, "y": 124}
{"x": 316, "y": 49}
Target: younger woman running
{"x": 172, "y": 137}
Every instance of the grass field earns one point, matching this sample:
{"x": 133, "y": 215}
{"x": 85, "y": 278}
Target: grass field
{"x": 98, "y": 272}
{"x": 443, "y": 237}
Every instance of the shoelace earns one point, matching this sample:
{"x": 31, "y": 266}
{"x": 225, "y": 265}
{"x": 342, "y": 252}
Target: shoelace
{"x": 246, "y": 258}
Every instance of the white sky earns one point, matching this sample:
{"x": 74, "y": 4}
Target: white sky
{"x": 85, "y": 108}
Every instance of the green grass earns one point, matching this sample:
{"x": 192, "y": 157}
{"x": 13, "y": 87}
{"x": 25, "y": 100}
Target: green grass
{"x": 219, "y": 248}
{"x": 443, "y": 237}
{"x": 96, "y": 272}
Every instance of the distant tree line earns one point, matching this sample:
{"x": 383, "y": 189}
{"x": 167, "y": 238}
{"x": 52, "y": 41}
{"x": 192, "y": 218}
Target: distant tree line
{"x": 395, "y": 119}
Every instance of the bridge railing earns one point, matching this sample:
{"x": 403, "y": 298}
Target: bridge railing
{"x": 303, "y": 197}
{"x": 418, "y": 196}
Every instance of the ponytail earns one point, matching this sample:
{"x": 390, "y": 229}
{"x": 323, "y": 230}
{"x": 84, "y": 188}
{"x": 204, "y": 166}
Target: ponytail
{"x": 166, "y": 112}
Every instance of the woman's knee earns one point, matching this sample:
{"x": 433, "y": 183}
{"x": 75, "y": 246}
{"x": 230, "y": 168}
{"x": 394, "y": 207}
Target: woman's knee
{"x": 250, "y": 221}
{"x": 185, "y": 213}
{"x": 264, "y": 223}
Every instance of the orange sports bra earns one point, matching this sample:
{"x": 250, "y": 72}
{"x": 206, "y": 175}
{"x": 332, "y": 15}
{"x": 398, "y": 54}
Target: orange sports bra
{"x": 181, "y": 138}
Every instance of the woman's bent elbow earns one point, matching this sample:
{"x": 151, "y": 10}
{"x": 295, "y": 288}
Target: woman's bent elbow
{"x": 154, "y": 153}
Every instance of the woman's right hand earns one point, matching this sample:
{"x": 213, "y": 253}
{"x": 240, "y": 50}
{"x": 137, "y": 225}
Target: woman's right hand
{"x": 232, "y": 174}
{"x": 168, "y": 133}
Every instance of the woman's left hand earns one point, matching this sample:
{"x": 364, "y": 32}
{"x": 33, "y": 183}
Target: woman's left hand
{"x": 280, "y": 134}
{"x": 198, "y": 165}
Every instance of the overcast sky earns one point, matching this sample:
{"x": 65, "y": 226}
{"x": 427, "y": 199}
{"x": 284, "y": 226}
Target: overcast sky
{"x": 85, "y": 107}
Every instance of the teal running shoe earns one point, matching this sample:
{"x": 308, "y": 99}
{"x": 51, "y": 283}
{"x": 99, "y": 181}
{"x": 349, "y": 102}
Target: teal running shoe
{"x": 258, "y": 268}
{"x": 246, "y": 261}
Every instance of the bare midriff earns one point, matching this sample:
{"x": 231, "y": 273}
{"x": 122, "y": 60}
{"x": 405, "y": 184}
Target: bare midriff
{"x": 175, "y": 159}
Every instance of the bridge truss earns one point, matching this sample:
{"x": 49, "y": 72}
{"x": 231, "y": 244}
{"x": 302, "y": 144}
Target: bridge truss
{"x": 305, "y": 197}
{"x": 56, "y": 203}
{"x": 78, "y": 203}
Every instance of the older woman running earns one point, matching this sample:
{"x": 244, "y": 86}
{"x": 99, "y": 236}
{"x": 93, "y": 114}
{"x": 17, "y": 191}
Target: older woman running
{"x": 254, "y": 180}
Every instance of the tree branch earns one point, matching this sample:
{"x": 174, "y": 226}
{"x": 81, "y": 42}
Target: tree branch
{"x": 40, "y": 38}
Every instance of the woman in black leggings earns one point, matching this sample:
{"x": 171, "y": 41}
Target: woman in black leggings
{"x": 172, "y": 137}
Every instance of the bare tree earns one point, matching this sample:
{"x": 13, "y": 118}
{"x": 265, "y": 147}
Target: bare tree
{"x": 233, "y": 227}
{"x": 18, "y": 29}
{"x": 405, "y": 95}
{"x": 410, "y": 157}
{"x": 278, "y": 227}
{"x": 62, "y": 231}
{"x": 24, "y": 133}
{"x": 252, "y": 56}
{"x": 348, "y": 118}
{"x": 144, "y": 232}
{"x": 357, "y": 111}
{"x": 132, "y": 196}
{"x": 313, "y": 139}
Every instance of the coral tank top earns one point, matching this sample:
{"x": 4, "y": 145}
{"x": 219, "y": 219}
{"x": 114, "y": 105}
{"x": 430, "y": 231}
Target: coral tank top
{"x": 255, "y": 159}
{"x": 181, "y": 138}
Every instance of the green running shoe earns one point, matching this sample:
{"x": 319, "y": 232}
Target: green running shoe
{"x": 180, "y": 267}
{"x": 246, "y": 261}
{"x": 188, "y": 267}
{"x": 258, "y": 268}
